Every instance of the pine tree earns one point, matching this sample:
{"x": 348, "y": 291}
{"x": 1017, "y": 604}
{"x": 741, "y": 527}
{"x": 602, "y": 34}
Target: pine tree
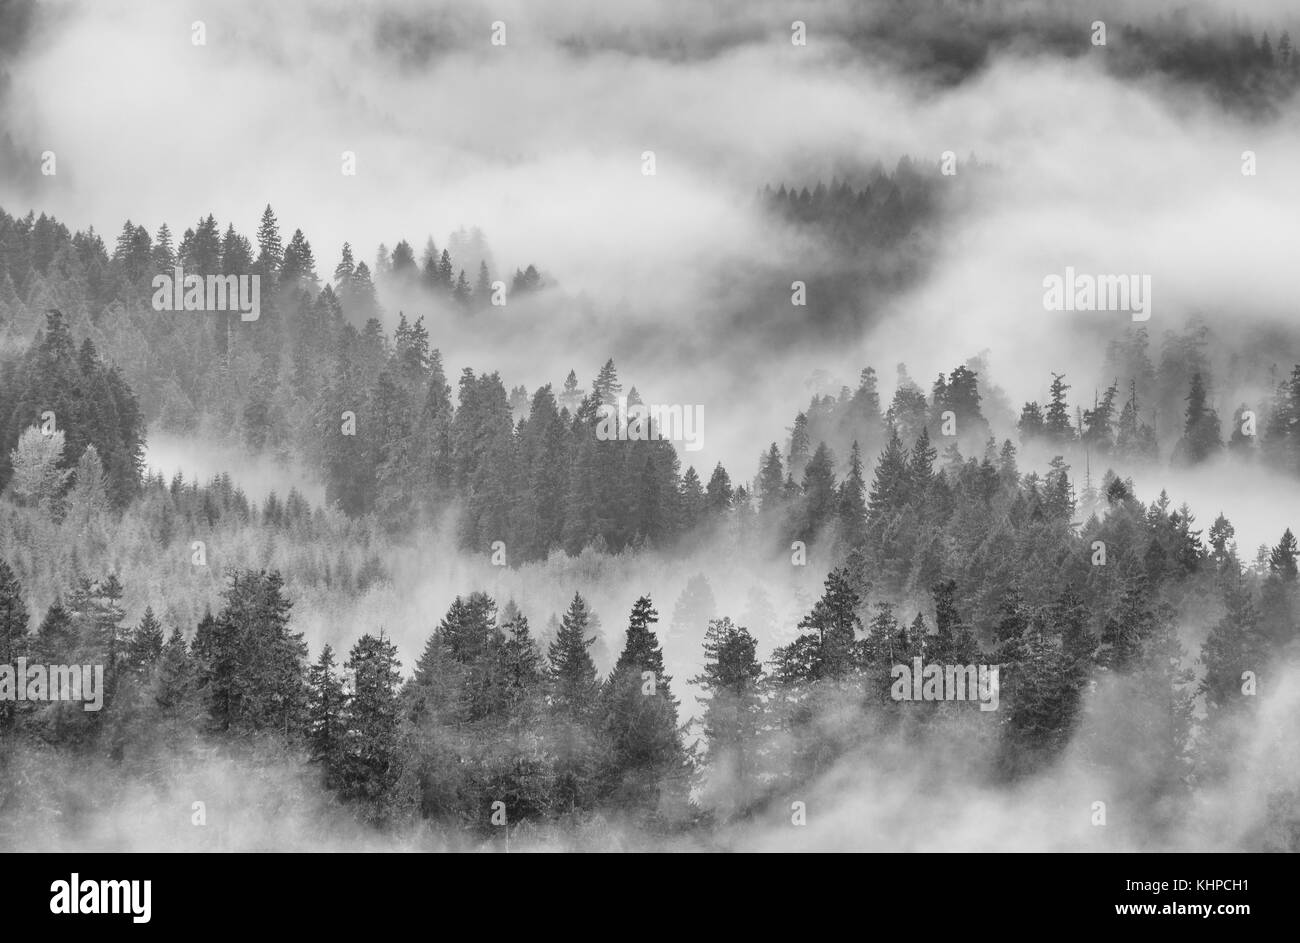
{"x": 1234, "y": 646}
{"x": 445, "y": 282}
{"x": 852, "y": 504}
{"x": 1056, "y": 421}
{"x": 574, "y": 693}
{"x": 1221, "y": 532}
{"x": 884, "y": 645}
{"x": 56, "y": 639}
{"x": 800, "y": 447}
{"x": 344, "y": 271}
{"x": 571, "y": 397}
{"x": 14, "y": 641}
{"x": 819, "y": 493}
{"x": 482, "y": 287}
{"x": 146, "y": 643}
{"x": 606, "y": 387}
{"x": 1201, "y": 437}
{"x": 251, "y": 668}
{"x": 834, "y": 619}
{"x": 298, "y": 263}
{"x": 920, "y": 465}
{"x": 692, "y": 498}
{"x": 908, "y": 410}
{"x": 371, "y": 719}
{"x": 402, "y": 263}
{"x": 892, "y": 484}
{"x": 236, "y": 253}
{"x": 1030, "y": 424}
{"x": 201, "y": 253}
{"x": 544, "y": 466}
{"x": 173, "y": 688}
{"x": 326, "y": 703}
{"x": 733, "y": 709}
{"x": 693, "y": 611}
{"x": 718, "y": 494}
{"x": 1282, "y": 558}
{"x": 647, "y": 762}
{"x": 771, "y": 481}
{"x": 163, "y": 255}
{"x": 462, "y": 293}
{"x": 572, "y": 673}
{"x": 521, "y": 667}
{"x": 270, "y": 251}
{"x": 954, "y": 641}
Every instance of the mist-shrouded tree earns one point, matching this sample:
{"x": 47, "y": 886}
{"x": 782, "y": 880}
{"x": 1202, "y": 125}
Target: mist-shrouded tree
{"x": 371, "y": 767}
{"x": 251, "y": 666}
{"x": 733, "y": 712}
{"x": 1282, "y": 558}
{"x": 522, "y": 669}
{"x": 1201, "y": 436}
{"x": 574, "y": 694}
{"x": 1056, "y": 420}
{"x": 14, "y": 640}
{"x": 771, "y": 481}
{"x": 647, "y": 764}
{"x": 694, "y": 610}
{"x": 891, "y": 486}
{"x": 482, "y": 294}
{"x": 852, "y": 504}
{"x": 402, "y": 265}
{"x": 173, "y": 688}
{"x": 146, "y": 643}
{"x": 325, "y": 729}
{"x": 298, "y": 261}
{"x": 270, "y": 249}
{"x": 819, "y": 494}
{"x": 88, "y": 496}
{"x": 718, "y": 494}
{"x": 1235, "y": 650}
{"x": 572, "y": 674}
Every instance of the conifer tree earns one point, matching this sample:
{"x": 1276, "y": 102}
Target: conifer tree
{"x": 771, "y": 481}
{"x": 521, "y": 667}
{"x": 1282, "y": 558}
{"x": 572, "y": 674}
{"x": 718, "y": 493}
{"x": 1201, "y": 437}
{"x": 14, "y": 641}
{"x": 371, "y": 718}
{"x": 325, "y": 726}
{"x": 732, "y": 707}
{"x": 606, "y": 386}
{"x": 270, "y": 250}
{"x": 647, "y": 762}
{"x": 146, "y": 644}
{"x": 173, "y": 688}
{"x": 1056, "y": 421}
{"x": 892, "y": 483}
{"x": 482, "y": 295}
{"x": 819, "y": 493}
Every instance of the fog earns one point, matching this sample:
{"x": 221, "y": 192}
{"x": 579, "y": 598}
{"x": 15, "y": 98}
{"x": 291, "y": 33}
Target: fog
{"x": 540, "y": 144}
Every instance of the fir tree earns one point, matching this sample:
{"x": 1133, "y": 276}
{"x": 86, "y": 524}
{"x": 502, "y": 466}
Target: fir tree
{"x": 325, "y": 726}
{"x": 647, "y": 762}
{"x": 146, "y": 644}
{"x": 372, "y": 761}
{"x": 572, "y": 674}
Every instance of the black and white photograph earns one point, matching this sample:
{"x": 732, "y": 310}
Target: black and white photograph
{"x": 650, "y": 426}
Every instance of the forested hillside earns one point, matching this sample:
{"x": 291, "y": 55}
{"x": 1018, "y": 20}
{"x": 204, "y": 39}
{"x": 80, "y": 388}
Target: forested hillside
{"x": 932, "y": 554}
